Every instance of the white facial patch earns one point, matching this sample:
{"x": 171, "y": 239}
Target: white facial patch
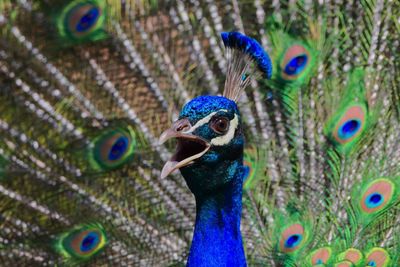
{"x": 226, "y": 138}
{"x": 204, "y": 120}
{"x": 220, "y": 140}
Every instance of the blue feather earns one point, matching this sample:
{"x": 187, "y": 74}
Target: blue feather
{"x": 249, "y": 46}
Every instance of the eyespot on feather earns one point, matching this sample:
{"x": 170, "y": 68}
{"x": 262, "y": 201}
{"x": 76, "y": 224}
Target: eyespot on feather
{"x": 378, "y": 257}
{"x": 350, "y": 125}
{"x": 295, "y": 61}
{"x": 85, "y": 243}
{"x": 113, "y": 148}
{"x": 351, "y": 116}
{"x": 321, "y": 255}
{"x": 82, "y": 243}
{"x": 353, "y": 255}
{"x": 291, "y": 238}
{"x": 377, "y": 195}
{"x": 82, "y": 20}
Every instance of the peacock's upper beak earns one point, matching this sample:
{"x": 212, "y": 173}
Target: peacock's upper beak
{"x": 189, "y": 146}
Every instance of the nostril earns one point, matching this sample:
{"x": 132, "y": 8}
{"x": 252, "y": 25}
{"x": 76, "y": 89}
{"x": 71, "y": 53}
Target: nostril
{"x": 182, "y": 125}
{"x": 182, "y": 128}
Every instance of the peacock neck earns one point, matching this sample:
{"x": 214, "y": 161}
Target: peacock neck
{"x": 217, "y": 240}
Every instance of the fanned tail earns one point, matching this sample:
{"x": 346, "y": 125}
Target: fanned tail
{"x": 88, "y": 85}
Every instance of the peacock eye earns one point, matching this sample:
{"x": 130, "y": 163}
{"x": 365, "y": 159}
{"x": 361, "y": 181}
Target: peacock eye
{"x": 377, "y": 195}
{"x": 82, "y": 243}
{"x": 378, "y": 257}
{"x": 220, "y": 125}
{"x": 320, "y": 256}
{"x": 295, "y": 62}
{"x": 82, "y": 20}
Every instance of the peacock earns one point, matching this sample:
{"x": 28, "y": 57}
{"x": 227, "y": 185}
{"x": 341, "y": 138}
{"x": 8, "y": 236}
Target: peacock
{"x": 200, "y": 133}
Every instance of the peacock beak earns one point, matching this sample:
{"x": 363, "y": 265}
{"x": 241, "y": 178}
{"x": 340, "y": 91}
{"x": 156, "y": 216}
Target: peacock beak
{"x": 189, "y": 146}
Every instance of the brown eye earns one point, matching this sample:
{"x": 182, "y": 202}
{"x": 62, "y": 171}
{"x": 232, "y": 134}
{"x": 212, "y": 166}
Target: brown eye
{"x": 220, "y": 125}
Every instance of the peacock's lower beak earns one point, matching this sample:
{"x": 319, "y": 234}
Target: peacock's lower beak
{"x": 189, "y": 146}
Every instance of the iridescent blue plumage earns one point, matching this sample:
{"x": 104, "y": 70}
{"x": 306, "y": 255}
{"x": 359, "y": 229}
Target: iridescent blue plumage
{"x": 296, "y": 65}
{"x": 88, "y": 20}
{"x": 210, "y": 126}
{"x": 201, "y": 106}
{"x": 374, "y": 200}
{"x": 250, "y": 47}
{"x": 89, "y": 242}
{"x": 119, "y": 148}
{"x": 349, "y": 128}
{"x": 293, "y": 241}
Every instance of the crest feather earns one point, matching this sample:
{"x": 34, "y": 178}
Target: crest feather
{"x": 241, "y": 52}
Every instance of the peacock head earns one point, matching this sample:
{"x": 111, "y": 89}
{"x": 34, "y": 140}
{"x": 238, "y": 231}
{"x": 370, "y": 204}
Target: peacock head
{"x": 209, "y": 143}
{"x": 209, "y": 153}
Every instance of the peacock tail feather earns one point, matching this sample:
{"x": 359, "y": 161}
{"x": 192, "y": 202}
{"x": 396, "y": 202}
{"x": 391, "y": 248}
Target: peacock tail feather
{"x": 87, "y": 87}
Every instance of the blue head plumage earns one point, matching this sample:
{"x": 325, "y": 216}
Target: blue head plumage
{"x": 210, "y": 143}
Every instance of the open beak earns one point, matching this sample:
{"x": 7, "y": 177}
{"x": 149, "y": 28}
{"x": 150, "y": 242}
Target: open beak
{"x": 189, "y": 146}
